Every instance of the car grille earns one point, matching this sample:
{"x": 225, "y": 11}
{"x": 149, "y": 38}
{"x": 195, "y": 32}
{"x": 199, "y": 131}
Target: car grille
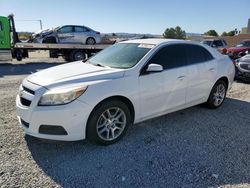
{"x": 24, "y": 101}
{"x": 245, "y": 66}
{"x": 28, "y": 90}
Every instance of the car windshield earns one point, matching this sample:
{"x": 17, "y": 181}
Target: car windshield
{"x": 240, "y": 45}
{"x": 207, "y": 42}
{"x": 121, "y": 55}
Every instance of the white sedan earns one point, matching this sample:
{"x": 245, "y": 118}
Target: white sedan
{"x": 127, "y": 83}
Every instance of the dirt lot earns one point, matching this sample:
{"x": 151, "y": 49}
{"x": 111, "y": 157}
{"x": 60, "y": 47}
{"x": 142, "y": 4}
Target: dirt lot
{"x": 195, "y": 147}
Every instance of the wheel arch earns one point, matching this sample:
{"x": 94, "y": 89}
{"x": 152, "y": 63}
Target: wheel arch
{"x": 124, "y": 99}
{"x": 49, "y": 37}
{"x": 90, "y": 37}
{"x": 225, "y": 79}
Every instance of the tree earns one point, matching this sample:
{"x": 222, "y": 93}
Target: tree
{"x": 174, "y": 33}
{"x": 211, "y": 33}
{"x": 230, "y": 33}
{"x": 224, "y": 34}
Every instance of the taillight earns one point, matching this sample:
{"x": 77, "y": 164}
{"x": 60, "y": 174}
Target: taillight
{"x": 224, "y": 51}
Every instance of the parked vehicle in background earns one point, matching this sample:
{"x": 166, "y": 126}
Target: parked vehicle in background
{"x": 219, "y": 44}
{"x": 242, "y": 68}
{"x": 239, "y": 50}
{"x": 11, "y": 47}
{"x": 126, "y": 83}
{"x": 67, "y": 34}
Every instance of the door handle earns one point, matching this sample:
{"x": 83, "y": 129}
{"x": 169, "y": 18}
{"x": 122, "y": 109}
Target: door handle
{"x": 181, "y": 77}
{"x": 212, "y": 69}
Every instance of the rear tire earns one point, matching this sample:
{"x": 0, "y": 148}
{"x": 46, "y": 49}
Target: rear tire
{"x": 77, "y": 55}
{"x": 90, "y": 41}
{"x": 19, "y": 56}
{"x": 108, "y": 122}
{"x": 217, "y": 95}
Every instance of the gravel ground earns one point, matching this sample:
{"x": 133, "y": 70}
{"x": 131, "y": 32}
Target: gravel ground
{"x": 195, "y": 147}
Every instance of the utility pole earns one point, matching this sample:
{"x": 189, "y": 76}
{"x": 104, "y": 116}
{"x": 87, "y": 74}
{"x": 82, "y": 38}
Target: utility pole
{"x": 41, "y": 25}
{"x": 40, "y": 22}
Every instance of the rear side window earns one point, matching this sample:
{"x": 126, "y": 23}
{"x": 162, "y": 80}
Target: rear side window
{"x": 80, "y": 29}
{"x": 171, "y": 56}
{"x": 197, "y": 54}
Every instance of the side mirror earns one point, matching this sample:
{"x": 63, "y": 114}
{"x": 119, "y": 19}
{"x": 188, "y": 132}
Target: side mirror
{"x": 214, "y": 46}
{"x": 154, "y": 68}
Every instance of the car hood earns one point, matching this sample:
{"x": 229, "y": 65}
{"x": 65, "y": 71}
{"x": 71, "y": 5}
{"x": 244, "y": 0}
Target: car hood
{"x": 74, "y": 73}
{"x": 43, "y": 32}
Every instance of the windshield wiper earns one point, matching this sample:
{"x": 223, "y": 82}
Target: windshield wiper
{"x": 100, "y": 65}
{"x": 85, "y": 60}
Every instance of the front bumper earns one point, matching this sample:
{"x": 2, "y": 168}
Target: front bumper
{"x": 71, "y": 117}
{"x": 239, "y": 73}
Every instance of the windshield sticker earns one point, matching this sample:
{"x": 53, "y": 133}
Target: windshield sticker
{"x": 146, "y": 46}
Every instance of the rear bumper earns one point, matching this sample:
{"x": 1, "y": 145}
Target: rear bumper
{"x": 98, "y": 39}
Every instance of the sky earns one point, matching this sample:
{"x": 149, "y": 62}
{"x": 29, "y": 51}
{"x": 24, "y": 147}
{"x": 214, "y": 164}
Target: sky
{"x": 132, "y": 16}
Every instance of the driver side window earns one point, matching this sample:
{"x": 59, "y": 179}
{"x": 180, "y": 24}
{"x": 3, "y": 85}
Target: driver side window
{"x": 66, "y": 29}
{"x": 171, "y": 56}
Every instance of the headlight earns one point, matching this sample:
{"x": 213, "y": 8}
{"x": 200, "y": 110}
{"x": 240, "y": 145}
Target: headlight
{"x": 61, "y": 96}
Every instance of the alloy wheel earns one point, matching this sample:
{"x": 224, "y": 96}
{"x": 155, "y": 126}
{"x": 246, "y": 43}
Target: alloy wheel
{"x": 219, "y": 94}
{"x": 111, "y": 123}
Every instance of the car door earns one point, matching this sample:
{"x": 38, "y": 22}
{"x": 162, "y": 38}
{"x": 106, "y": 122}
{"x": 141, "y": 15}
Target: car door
{"x": 201, "y": 73}
{"x": 80, "y": 34}
{"x": 65, "y": 34}
{"x": 166, "y": 90}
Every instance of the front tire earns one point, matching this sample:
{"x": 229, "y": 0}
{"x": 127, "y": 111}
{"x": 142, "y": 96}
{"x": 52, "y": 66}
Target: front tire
{"x": 217, "y": 95}
{"x": 108, "y": 122}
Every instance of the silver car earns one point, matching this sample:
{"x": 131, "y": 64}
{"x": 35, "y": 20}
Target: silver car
{"x": 219, "y": 44}
{"x": 67, "y": 34}
{"x": 242, "y": 67}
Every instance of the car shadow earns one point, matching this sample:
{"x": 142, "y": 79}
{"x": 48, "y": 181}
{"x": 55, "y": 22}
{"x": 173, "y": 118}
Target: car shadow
{"x": 196, "y": 147}
{"x": 8, "y": 69}
{"x": 243, "y": 81}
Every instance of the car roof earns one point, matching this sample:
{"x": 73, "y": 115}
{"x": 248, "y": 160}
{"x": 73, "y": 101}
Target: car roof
{"x": 212, "y": 39}
{"x": 160, "y": 41}
{"x": 154, "y": 41}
